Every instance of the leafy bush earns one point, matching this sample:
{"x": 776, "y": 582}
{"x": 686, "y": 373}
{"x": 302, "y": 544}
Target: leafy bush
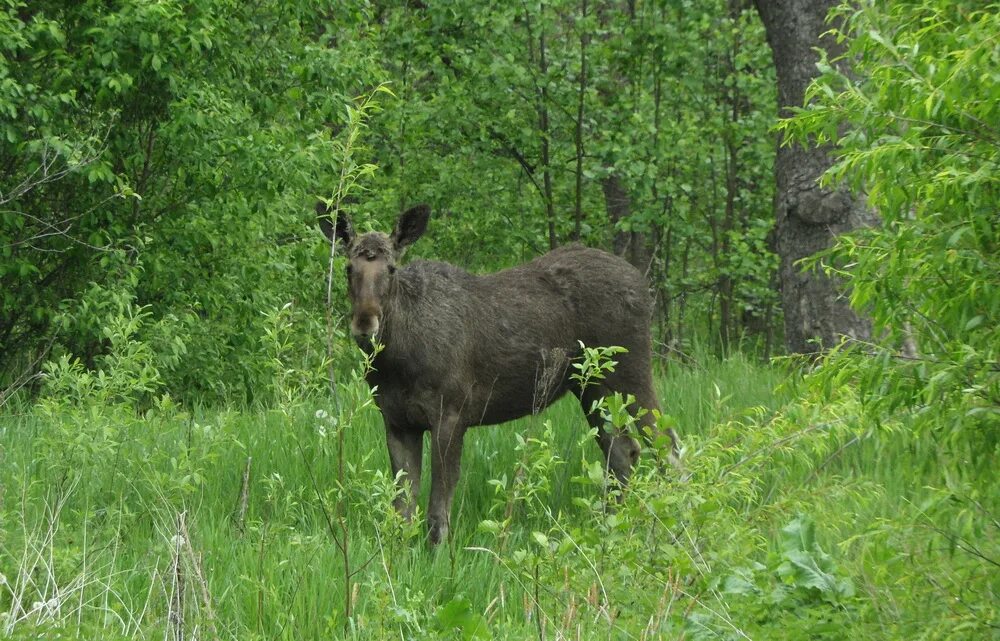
{"x": 914, "y": 127}
{"x": 185, "y": 141}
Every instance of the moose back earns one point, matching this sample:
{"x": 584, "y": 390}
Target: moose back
{"x": 460, "y": 350}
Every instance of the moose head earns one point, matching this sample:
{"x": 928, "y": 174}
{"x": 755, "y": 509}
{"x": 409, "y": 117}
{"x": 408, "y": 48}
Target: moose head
{"x": 371, "y": 264}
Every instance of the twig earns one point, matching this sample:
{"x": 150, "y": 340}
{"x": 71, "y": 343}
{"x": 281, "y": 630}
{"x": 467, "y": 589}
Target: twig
{"x": 322, "y": 504}
{"x": 388, "y": 576}
{"x": 241, "y": 511}
{"x": 206, "y": 597}
{"x": 29, "y": 374}
{"x": 835, "y": 454}
{"x": 775, "y": 445}
{"x": 176, "y": 613}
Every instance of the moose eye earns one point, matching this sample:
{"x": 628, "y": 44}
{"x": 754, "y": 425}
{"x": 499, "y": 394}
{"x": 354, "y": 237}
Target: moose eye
{"x": 348, "y": 269}
{"x": 392, "y": 269}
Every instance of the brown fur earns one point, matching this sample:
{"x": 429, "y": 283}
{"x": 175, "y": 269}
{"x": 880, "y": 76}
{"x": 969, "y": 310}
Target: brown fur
{"x": 461, "y": 350}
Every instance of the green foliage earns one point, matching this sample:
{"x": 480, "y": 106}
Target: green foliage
{"x": 913, "y": 125}
{"x": 126, "y": 374}
{"x": 595, "y": 363}
{"x": 187, "y": 141}
{"x": 190, "y": 138}
{"x": 158, "y": 167}
{"x": 783, "y": 510}
{"x": 457, "y": 615}
{"x": 801, "y": 581}
{"x": 918, "y": 116}
{"x": 295, "y": 366}
{"x": 672, "y": 100}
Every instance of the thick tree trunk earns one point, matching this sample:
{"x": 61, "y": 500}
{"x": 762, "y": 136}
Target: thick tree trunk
{"x": 630, "y": 245}
{"x": 633, "y": 246}
{"x": 817, "y": 314}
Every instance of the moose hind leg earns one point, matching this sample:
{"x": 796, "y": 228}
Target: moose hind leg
{"x": 406, "y": 448}
{"x": 446, "y": 460}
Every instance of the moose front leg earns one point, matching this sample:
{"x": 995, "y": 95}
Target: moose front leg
{"x": 406, "y": 448}
{"x": 446, "y": 461}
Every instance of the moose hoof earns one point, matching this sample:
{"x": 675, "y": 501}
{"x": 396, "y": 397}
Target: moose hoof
{"x": 437, "y": 530}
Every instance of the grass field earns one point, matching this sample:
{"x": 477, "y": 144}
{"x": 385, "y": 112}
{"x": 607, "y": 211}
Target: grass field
{"x": 235, "y": 524}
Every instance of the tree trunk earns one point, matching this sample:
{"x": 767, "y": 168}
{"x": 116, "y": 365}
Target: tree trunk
{"x": 816, "y": 309}
{"x": 630, "y": 245}
{"x": 578, "y": 133}
{"x": 545, "y": 135}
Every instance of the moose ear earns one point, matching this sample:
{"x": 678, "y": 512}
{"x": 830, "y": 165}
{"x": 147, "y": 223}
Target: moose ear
{"x": 341, "y": 230}
{"x": 411, "y": 225}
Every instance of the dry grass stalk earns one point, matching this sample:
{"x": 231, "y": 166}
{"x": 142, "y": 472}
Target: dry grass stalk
{"x": 241, "y": 511}
{"x": 196, "y": 566}
{"x": 175, "y": 614}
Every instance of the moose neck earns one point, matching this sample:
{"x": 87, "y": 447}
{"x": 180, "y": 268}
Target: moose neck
{"x": 394, "y": 312}
{"x": 419, "y": 317}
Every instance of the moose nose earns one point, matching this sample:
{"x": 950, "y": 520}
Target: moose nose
{"x": 366, "y": 342}
{"x": 364, "y": 327}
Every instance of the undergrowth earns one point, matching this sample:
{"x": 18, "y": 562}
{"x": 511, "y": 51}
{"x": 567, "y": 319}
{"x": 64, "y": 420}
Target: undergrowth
{"x": 787, "y": 519}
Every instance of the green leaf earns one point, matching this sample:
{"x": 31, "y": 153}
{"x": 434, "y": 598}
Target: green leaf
{"x": 974, "y": 322}
{"x": 458, "y": 615}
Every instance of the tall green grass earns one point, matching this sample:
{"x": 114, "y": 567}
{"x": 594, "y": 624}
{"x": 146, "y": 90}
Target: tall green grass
{"x": 116, "y": 525}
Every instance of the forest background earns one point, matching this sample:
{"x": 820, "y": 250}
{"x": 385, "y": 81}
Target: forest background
{"x": 187, "y": 447}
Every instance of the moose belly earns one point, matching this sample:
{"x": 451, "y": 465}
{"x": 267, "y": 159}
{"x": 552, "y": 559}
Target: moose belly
{"x": 498, "y": 408}
{"x": 517, "y": 390}
{"x": 477, "y": 401}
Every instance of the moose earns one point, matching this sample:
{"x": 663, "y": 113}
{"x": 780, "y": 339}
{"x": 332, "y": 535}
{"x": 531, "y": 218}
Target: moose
{"x": 458, "y": 350}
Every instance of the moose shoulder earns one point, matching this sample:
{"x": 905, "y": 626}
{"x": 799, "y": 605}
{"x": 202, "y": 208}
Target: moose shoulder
{"x": 460, "y": 350}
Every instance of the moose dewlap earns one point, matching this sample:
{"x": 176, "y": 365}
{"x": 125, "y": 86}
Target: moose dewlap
{"x": 460, "y": 350}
